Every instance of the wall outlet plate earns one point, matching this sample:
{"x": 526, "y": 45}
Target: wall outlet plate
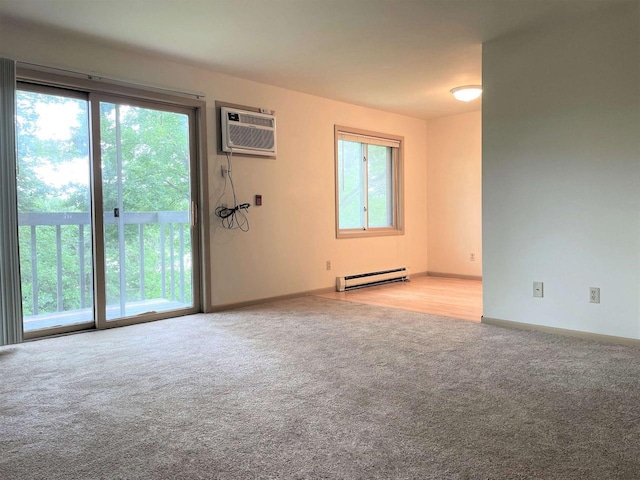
{"x": 594, "y": 295}
{"x": 538, "y": 289}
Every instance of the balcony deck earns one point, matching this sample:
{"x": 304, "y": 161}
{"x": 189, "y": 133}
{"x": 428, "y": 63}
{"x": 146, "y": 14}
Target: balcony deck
{"x": 85, "y": 315}
{"x": 169, "y": 241}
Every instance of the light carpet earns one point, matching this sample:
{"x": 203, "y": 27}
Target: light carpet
{"x": 312, "y": 388}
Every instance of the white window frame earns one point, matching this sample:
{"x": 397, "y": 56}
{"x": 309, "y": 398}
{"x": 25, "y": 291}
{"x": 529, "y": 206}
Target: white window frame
{"x": 368, "y": 137}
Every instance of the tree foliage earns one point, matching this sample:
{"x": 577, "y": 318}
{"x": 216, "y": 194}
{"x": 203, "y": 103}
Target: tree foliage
{"x": 151, "y": 147}
{"x": 352, "y": 170}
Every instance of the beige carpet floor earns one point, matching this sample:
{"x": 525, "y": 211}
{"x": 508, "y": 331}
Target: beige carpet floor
{"x": 313, "y": 388}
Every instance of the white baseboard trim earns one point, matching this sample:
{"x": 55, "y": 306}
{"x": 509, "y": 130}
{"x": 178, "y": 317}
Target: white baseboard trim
{"x": 417, "y": 274}
{"x": 249, "y": 303}
{"x": 597, "y": 337}
{"x": 454, "y": 275}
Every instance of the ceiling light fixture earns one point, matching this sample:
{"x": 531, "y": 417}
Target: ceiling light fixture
{"x": 467, "y": 93}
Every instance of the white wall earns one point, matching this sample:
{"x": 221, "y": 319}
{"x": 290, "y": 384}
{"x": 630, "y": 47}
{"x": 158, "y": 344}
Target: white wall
{"x": 293, "y": 233}
{"x": 561, "y": 173}
{"x": 454, "y": 194}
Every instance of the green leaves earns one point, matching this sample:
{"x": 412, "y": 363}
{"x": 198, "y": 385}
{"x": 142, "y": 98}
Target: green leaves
{"x": 145, "y": 158}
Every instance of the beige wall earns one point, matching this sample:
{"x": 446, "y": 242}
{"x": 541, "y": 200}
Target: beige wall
{"x": 454, "y": 194}
{"x": 293, "y": 233}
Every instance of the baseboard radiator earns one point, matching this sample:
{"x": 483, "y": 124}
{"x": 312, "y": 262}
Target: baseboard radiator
{"x": 361, "y": 280}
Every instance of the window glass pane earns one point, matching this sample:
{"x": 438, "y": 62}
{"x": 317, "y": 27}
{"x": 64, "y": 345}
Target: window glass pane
{"x": 53, "y": 210}
{"x": 351, "y": 184}
{"x": 146, "y": 196}
{"x": 380, "y": 184}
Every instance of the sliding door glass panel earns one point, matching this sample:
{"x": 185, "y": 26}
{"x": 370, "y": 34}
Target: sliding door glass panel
{"x": 146, "y": 193}
{"x": 54, "y": 207}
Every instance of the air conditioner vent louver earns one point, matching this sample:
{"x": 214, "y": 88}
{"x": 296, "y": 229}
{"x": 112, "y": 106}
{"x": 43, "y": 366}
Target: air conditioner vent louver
{"x": 257, "y": 138}
{"x": 248, "y": 132}
{"x": 253, "y": 120}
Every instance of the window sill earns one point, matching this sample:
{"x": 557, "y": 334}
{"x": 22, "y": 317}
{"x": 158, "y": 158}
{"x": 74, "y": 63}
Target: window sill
{"x": 374, "y": 232}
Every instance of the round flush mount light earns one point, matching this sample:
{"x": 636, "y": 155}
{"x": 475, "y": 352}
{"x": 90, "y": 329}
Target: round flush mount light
{"x": 467, "y": 93}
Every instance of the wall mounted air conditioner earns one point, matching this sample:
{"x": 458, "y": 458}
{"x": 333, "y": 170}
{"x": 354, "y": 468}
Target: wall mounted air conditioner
{"x": 248, "y": 132}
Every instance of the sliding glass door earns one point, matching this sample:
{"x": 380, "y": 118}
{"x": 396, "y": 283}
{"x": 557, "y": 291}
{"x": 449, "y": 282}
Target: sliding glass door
{"x": 54, "y": 205}
{"x": 106, "y": 203}
{"x": 146, "y": 192}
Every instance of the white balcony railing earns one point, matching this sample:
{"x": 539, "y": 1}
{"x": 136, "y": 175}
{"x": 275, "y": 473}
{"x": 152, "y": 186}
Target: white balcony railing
{"x": 160, "y": 236}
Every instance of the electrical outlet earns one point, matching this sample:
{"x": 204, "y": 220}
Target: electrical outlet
{"x": 472, "y": 257}
{"x": 538, "y": 290}
{"x": 328, "y": 264}
{"x": 223, "y": 171}
{"x": 594, "y": 295}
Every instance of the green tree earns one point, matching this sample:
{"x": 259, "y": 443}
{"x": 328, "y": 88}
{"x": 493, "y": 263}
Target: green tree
{"x": 153, "y": 147}
{"x": 44, "y": 150}
{"x": 352, "y": 170}
{"x": 53, "y": 145}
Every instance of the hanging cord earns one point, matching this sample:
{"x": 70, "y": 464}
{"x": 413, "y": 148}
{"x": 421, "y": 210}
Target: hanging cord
{"x": 232, "y": 217}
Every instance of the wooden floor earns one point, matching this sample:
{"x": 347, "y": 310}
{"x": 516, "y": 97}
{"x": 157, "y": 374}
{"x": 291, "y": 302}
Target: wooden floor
{"x": 449, "y": 297}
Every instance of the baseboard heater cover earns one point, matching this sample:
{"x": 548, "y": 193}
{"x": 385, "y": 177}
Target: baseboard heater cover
{"x": 361, "y": 280}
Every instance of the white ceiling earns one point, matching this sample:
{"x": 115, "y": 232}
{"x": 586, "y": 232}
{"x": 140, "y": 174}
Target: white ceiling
{"x": 401, "y": 56}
